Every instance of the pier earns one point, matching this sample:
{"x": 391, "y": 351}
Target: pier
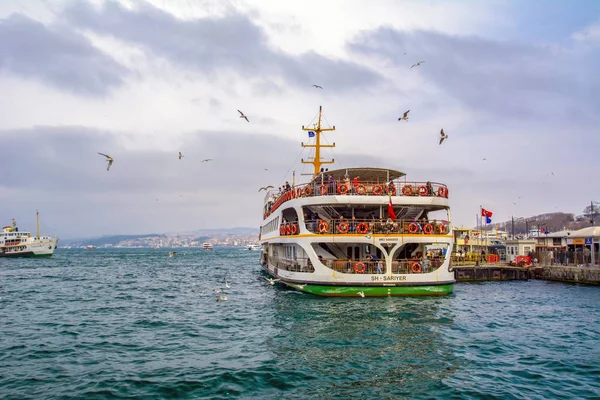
{"x": 492, "y": 272}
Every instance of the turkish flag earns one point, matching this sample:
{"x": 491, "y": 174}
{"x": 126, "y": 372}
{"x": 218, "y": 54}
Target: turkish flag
{"x": 391, "y": 213}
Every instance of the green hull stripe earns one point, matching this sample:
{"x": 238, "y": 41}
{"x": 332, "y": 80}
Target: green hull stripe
{"x": 375, "y": 291}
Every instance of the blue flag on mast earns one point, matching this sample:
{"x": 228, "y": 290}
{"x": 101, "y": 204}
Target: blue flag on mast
{"x": 488, "y": 220}
{"x": 311, "y": 134}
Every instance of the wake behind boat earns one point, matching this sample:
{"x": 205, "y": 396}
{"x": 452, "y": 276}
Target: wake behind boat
{"x": 14, "y": 243}
{"x": 253, "y": 247}
{"x": 358, "y": 232}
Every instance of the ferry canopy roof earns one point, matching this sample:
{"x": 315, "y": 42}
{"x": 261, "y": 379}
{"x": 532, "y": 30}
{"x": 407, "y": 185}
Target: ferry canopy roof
{"x": 380, "y": 175}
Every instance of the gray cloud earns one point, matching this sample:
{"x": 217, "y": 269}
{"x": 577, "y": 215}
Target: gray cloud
{"x": 212, "y": 44}
{"x": 56, "y": 55}
{"x": 514, "y": 80}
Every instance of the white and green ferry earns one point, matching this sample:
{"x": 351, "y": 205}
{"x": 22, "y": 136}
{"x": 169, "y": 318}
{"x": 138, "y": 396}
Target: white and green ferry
{"x": 15, "y": 243}
{"x": 358, "y": 232}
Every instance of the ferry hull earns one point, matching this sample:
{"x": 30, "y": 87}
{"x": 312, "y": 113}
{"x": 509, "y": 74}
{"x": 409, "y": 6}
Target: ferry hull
{"x": 26, "y": 254}
{"x": 375, "y": 291}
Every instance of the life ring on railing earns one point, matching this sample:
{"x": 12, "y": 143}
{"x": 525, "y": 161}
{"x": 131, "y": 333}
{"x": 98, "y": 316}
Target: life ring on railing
{"x": 323, "y": 189}
{"x": 360, "y": 267}
{"x": 390, "y": 189}
{"x": 442, "y": 191}
{"x": 294, "y": 229}
{"x": 361, "y": 189}
{"x": 342, "y": 188}
{"x": 362, "y": 228}
{"x": 323, "y": 226}
{"x": 299, "y": 192}
{"x": 416, "y": 268}
{"x": 423, "y": 191}
{"x": 308, "y": 191}
{"x": 377, "y": 190}
{"x": 288, "y": 230}
{"x": 413, "y": 227}
{"x": 282, "y": 230}
{"x": 343, "y": 227}
{"x": 428, "y": 229}
{"x": 407, "y": 190}
{"x": 441, "y": 228}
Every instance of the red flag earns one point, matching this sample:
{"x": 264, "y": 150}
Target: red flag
{"x": 486, "y": 213}
{"x": 391, "y": 213}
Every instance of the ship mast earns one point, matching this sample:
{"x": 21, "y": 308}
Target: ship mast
{"x": 37, "y": 223}
{"x": 317, "y": 162}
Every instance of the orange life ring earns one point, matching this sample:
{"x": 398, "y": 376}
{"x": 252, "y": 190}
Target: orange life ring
{"x": 407, "y": 190}
{"x": 392, "y": 190}
{"x": 343, "y": 227}
{"x": 323, "y": 227}
{"x": 413, "y": 227}
{"x": 441, "y": 191}
{"x": 288, "y": 230}
{"x": 307, "y": 191}
{"x": 299, "y": 192}
{"x": 446, "y": 192}
{"x": 423, "y": 191}
{"x": 360, "y": 267}
{"x": 441, "y": 228}
{"x": 428, "y": 229}
{"x": 294, "y": 229}
{"x": 282, "y": 230}
{"x": 362, "y": 228}
{"x": 323, "y": 189}
{"x": 342, "y": 188}
{"x": 377, "y": 190}
{"x": 416, "y": 268}
{"x": 361, "y": 189}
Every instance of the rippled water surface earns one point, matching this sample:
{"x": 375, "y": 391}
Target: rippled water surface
{"x": 101, "y": 324}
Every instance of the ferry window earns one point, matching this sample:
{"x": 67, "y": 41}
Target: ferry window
{"x": 357, "y": 252}
{"x": 349, "y": 252}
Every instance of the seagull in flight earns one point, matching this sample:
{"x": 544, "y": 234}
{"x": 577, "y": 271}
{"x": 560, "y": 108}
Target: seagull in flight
{"x": 171, "y": 254}
{"x": 443, "y": 136}
{"x": 243, "y": 116}
{"x": 109, "y": 159}
{"x": 361, "y": 294}
{"x": 206, "y": 160}
{"x": 227, "y": 285}
{"x": 417, "y": 64}
{"x": 318, "y": 87}
{"x": 404, "y": 117}
{"x": 180, "y": 155}
{"x": 265, "y": 188}
{"x": 484, "y": 159}
{"x": 272, "y": 281}
{"x": 552, "y": 173}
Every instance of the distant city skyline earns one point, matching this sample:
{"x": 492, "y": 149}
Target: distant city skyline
{"x": 512, "y": 83}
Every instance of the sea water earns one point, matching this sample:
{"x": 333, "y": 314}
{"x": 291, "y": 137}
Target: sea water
{"x": 134, "y": 323}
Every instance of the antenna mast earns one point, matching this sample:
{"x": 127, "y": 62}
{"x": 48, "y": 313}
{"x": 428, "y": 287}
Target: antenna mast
{"x": 37, "y": 223}
{"x": 317, "y": 162}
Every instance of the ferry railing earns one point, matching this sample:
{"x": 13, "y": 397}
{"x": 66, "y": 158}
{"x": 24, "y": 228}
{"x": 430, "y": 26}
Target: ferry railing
{"x": 416, "y": 266}
{"x": 363, "y": 188}
{"x": 300, "y": 264}
{"x": 355, "y": 266}
{"x": 344, "y": 226}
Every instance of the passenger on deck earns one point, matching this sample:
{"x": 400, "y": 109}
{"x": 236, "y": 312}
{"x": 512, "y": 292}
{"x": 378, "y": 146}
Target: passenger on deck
{"x": 355, "y": 183}
{"x": 430, "y": 189}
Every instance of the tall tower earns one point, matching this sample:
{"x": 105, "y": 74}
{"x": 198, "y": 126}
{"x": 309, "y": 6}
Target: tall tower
{"x": 317, "y": 162}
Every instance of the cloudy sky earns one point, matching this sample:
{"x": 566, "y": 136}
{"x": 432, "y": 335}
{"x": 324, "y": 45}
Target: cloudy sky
{"x": 515, "y": 82}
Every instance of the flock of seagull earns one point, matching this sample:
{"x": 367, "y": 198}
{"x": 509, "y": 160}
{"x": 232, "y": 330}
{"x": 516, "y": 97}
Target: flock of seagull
{"x": 111, "y": 160}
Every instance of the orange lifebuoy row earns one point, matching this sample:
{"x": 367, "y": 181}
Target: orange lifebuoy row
{"x": 427, "y": 228}
{"x": 288, "y": 229}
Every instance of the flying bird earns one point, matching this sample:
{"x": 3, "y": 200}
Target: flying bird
{"x": 243, "y": 116}
{"x": 206, "y": 160}
{"x": 180, "y": 155}
{"x": 171, "y": 254}
{"x": 361, "y": 294}
{"x": 404, "y": 117}
{"x": 417, "y": 64}
{"x": 272, "y": 281}
{"x": 227, "y": 285}
{"x": 317, "y": 87}
{"x": 552, "y": 173}
{"x": 484, "y": 159}
{"x": 109, "y": 159}
{"x": 265, "y": 188}
{"x": 443, "y": 136}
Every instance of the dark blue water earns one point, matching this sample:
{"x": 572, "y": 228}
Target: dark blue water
{"x": 102, "y": 324}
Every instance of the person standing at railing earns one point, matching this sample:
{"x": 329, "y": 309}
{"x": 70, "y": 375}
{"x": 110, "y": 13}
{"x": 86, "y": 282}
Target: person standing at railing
{"x": 352, "y": 225}
{"x": 429, "y": 189}
{"x": 355, "y": 183}
{"x": 331, "y": 184}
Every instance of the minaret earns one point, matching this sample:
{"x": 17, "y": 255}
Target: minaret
{"x": 316, "y": 162}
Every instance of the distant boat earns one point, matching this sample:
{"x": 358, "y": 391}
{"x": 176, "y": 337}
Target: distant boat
{"x": 253, "y": 247}
{"x": 207, "y": 246}
{"x": 21, "y": 244}
{"x": 90, "y": 246}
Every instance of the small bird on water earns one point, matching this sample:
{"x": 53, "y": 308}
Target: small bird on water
{"x": 444, "y": 136}
{"x": 404, "y": 117}
{"x": 221, "y": 298}
{"x": 272, "y": 281}
{"x": 109, "y": 159}
{"x": 243, "y": 116}
{"x": 172, "y": 253}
